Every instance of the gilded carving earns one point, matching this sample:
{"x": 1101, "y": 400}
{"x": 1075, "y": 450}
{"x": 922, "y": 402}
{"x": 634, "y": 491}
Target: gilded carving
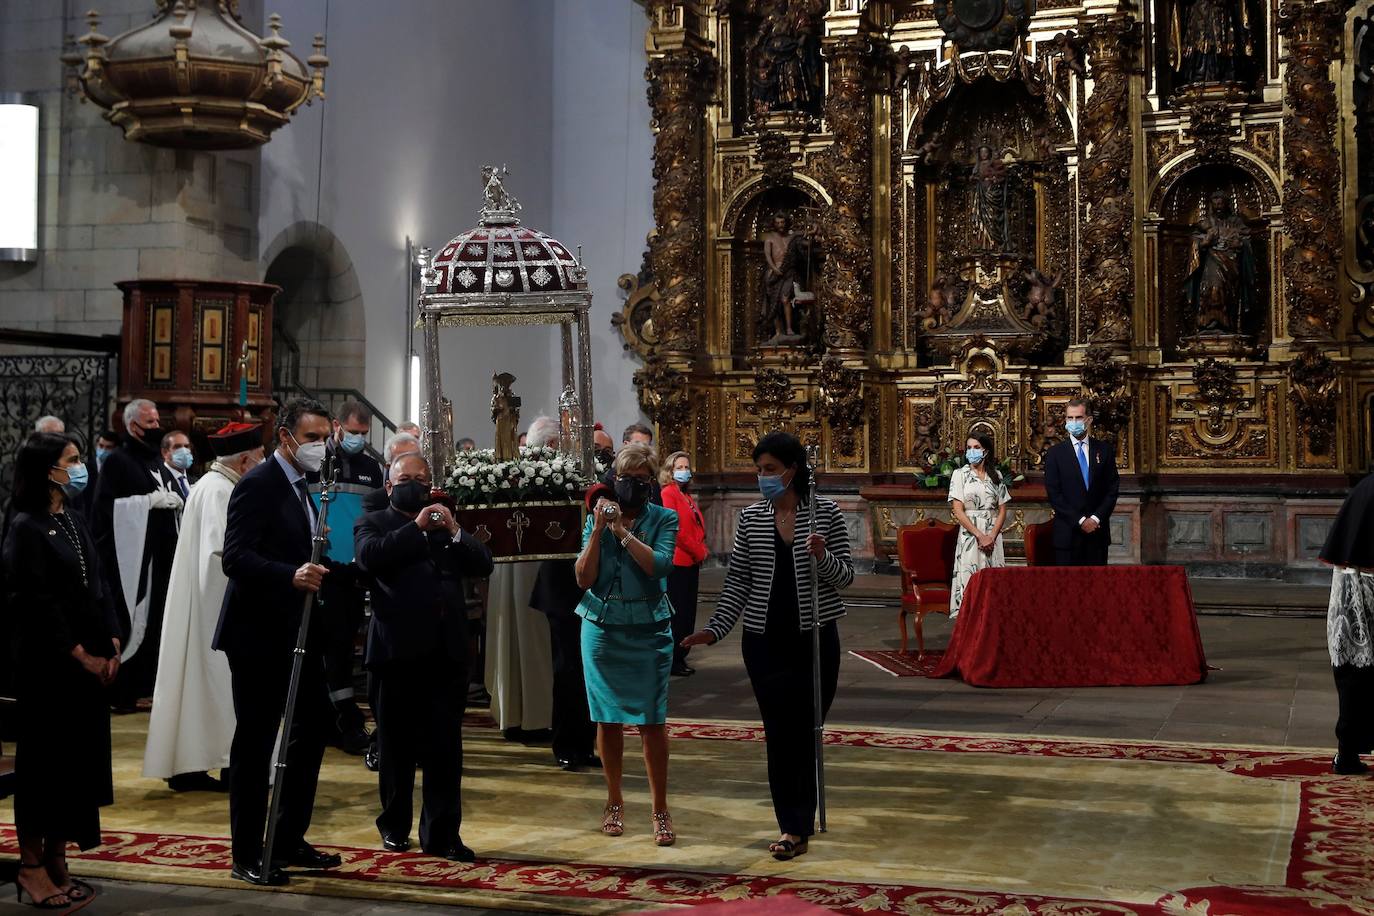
{"x": 841, "y": 401}
{"x": 846, "y": 172}
{"x": 1108, "y": 384}
{"x": 734, "y": 171}
{"x": 635, "y": 321}
{"x": 1313, "y": 387}
{"x": 679, "y": 84}
{"x": 664, "y": 397}
{"x": 1312, "y": 189}
{"x": 1209, "y": 126}
{"x": 773, "y": 150}
{"x": 1108, "y": 290}
{"x": 1218, "y": 416}
{"x": 1160, "y": 148}
{"x": 1264, "y": 143}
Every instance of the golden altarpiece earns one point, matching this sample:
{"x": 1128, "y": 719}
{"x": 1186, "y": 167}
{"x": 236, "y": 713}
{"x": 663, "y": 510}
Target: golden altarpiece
{"x": 885, "y": 224}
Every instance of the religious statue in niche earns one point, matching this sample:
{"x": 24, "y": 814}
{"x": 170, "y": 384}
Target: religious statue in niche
{"x": 505, "y": 413}
{"x": 991, "y": 210}
{"x": 942, "y": 302}
{"x": 1222, "y": 280}
{"x": 786, "y": 280}
{"x": 1211, "y": 41}
{"x": 784, "y": 59}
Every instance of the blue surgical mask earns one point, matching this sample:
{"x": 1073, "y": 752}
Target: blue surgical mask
{"x": 182, "y": 459}
{"x": 100, "y": 455}
{"x": 682, "y": 475}
{"x": 771, "y": 486}
{"x": 77, "y": 478}
{"x": 1076, "y": 428}
{"x": 974, "y": 456}
{"x": 352, "y": 443}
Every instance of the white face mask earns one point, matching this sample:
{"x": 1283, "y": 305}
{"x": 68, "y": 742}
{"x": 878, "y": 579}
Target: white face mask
{"x": 309, "y": 456}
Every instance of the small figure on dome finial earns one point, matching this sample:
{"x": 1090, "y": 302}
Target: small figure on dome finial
{"x": 498, "y": 206}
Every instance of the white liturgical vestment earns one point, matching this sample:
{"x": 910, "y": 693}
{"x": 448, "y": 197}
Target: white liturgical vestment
{"x": 192, "y": 723}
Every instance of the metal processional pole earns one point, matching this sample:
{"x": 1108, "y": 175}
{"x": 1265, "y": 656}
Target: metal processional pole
{"x": 319, "y": 539}
{"x": 813, "y": 454}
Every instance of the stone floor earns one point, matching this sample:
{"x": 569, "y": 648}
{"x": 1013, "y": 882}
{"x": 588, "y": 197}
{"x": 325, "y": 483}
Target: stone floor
{"x": 1272, "y": 687}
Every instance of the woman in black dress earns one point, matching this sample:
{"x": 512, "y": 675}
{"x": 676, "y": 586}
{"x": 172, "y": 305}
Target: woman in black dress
{"x": 769, "y": 585}
{"x": 66, "y": 653}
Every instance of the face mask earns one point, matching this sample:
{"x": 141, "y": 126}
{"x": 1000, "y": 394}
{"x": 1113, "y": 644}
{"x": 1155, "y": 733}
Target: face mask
{"x": 682, "y": 475}
{"x": 309, "y": 456}
{"x": 77, "y": 478}
{"x": 771, "y": 486}
{"x": 182, "y": 458}
{"x": 409, "y": 496}
{"x": 100, "y": 455}
{"x": 352, "y": 443}
{"x": 605, "y": 456}
{"x": 631, "y": 492}
{"x": 974, "y": 456}
{"x": 1076, "y": 428}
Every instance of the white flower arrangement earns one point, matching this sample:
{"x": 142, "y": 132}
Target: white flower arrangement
{"x": 539, "y": 474}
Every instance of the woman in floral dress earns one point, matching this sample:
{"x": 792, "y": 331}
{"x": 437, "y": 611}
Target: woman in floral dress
{"x": 978, "y": 496}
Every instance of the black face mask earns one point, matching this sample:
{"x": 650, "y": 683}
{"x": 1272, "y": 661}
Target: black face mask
{"x": 605, "y": 456}
{"x": 631, "y": 492}
{"x": 409, "y": 496}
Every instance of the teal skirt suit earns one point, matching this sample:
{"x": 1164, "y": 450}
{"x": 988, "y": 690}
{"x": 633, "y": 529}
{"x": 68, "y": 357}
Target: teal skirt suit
{"x": 627, "y": 632}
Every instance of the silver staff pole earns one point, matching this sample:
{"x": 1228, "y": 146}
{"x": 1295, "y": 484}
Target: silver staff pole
{"x": 812, "y": 455}
{"x": 318, "y": 541}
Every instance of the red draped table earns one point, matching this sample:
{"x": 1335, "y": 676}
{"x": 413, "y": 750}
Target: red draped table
{"x": 1095, "y": 626}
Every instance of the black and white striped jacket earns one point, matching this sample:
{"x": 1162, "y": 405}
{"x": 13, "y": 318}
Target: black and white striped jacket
{"x": 750, "y": 576}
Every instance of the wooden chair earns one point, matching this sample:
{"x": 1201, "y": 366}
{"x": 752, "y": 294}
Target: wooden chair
{"x": 925, "y": 553}
{"x": 1040, "y": 543}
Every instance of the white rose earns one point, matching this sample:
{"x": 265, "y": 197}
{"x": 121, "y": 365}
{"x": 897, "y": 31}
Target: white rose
{"x": 505, "y": 484}
{"x": 557, "y": 478}
{"x": 538, "y": 481}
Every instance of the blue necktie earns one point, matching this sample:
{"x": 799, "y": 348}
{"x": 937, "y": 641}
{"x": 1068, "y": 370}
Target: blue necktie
{"x": 1083, "y": 461}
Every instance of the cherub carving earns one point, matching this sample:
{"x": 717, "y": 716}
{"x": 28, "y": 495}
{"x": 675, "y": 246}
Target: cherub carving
{"x": 941, "y": 303}
{"x": 1070, "y": 47}
{"x": 925, "y": 422}
{"x": 1040, "y": 292}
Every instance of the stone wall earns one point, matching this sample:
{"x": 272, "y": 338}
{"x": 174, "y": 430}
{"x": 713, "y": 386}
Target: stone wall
{"x": 111, "y": 210}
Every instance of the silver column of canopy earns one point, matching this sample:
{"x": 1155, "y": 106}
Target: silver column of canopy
{"x": 502, "y": 273}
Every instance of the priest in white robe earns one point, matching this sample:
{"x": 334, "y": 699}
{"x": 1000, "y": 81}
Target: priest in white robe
{"x": 192, "y": 722}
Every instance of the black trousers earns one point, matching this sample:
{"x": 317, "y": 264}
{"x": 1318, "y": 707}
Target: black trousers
{"x": 1355, "y": 702}
{"x": 574, "y": 732}
{"x": 259, "y": 681}
{"x": 420, "y": 705}
{"x": 341, "y": 624}
{"x": 779, "y": 666}
{"x": 682, "y": 593}
{"x": 1085, "y": 550}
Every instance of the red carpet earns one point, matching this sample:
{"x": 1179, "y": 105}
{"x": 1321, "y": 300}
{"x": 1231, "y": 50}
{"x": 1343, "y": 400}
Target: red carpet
{"x": 901, "y": 664}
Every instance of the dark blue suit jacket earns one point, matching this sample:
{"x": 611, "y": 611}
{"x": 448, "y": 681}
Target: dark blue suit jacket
{"x": 418, "y": 603}
{"x": 1073, "y": 501}
{"x": 266, "y": 540}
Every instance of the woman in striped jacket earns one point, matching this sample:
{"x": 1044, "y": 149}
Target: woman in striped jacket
{"x": 769, "y": 585}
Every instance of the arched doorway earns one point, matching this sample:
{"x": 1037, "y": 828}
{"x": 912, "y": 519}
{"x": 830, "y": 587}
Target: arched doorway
{"x": 319, "y": 323}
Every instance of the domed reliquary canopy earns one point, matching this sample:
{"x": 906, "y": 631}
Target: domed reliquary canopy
{"x": 195, "y": 77}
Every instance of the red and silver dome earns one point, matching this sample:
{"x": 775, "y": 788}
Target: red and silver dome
{"x": 500, "y": 256}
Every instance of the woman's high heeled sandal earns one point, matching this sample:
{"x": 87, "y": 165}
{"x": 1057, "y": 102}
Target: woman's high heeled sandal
{"x": 50, "y": 902}
{"x": 613, "y": 820}
{"x": 663, "y": 829}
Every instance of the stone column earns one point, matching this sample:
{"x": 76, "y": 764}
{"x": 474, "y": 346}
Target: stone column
{"x": 680, "y": 78}
{"x": 1108, "y": 286}
{"x": 1312, "y": 216}
{"x": 846, "y": 171}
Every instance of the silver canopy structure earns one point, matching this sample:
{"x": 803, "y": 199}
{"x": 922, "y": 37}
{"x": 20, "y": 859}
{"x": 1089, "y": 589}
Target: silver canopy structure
{"x": 497, "y": 274}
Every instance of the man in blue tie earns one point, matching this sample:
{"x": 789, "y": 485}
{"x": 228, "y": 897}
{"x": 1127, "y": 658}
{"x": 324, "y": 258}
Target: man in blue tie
{"x": 1082, "y": 483}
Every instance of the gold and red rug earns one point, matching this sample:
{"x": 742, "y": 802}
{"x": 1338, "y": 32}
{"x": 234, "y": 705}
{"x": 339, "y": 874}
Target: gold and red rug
{"x": 901, "y": 664}
{"x": 919, "y": 824}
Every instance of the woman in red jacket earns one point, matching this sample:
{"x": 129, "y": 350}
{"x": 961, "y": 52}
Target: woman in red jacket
{"x": 675, "y": 479}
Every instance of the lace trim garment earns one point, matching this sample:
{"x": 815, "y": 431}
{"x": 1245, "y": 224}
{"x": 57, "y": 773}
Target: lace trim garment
{"x": 1350, "y": 618}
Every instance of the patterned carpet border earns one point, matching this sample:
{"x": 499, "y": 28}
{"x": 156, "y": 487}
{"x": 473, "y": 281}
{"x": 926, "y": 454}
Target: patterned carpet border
{"x": 900, "y": 664}
{"x": 1331, "y": 865}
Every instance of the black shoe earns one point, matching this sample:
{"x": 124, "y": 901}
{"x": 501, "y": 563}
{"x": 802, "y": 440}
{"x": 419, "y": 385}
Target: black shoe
{"x": 683, "y": 670}
{"x": 458, "y": 852}
{"x": 253, "y": 875}
{"x": 1348, "y": 765}
{"x": 569, "y": 764}
{"x": 196, "y": 782}
{"x": 371, "y": 759}
{"x": 591, "y": 760}
{"x": 355, "y": 741}
{"x": 307, "y": 856}
{"x": 393, "y": 843}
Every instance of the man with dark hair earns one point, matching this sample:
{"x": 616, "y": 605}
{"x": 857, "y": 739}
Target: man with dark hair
{"x": 267, "y": 549}
{"x": 637, "y": 432}
{"x": 359, "y": 475}
{"x": 134, "y": 520}
{"x": 177, "y": 459}
{"x": 1082, "y": 483}
{"x": 467, "y": 445}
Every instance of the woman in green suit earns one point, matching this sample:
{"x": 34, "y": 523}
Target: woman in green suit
{"x": 627, "y": 639}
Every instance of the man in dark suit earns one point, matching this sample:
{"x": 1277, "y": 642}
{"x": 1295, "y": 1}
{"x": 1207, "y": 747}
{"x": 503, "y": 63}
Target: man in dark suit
{"x": 267, "y": 545}
{"x": 556, "y": 596}
{"x": 417, "y": 650}
{"x": 1081, "y": 479}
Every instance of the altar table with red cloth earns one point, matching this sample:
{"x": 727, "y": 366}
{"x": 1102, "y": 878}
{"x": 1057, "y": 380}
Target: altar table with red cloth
{"x": 1082, "y": 626}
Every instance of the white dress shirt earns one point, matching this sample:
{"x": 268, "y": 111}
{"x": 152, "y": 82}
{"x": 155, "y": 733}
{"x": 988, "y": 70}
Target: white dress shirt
{"x": 1088, "y": 451}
